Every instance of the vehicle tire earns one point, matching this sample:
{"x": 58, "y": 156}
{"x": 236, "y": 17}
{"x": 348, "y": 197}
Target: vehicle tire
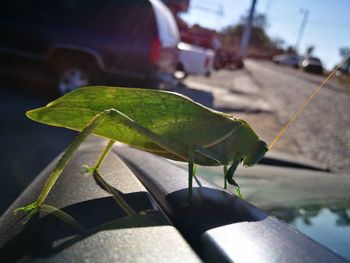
{"x": 180, "y": 73}
{"x": 239, "y": 64}
{"x": 70, "y": 74}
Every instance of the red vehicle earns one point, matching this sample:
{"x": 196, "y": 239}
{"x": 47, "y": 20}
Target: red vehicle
{"x": 227, "y": 59}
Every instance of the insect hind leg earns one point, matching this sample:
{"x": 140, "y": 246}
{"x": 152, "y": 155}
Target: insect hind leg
{"x": 32, "y": 208}
{"x": 192, "y": 169}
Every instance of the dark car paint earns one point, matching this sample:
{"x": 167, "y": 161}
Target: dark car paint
{"x": 110, "y": 32}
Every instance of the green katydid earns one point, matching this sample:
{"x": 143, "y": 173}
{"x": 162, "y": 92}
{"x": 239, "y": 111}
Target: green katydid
{"x": 164, "y": 123}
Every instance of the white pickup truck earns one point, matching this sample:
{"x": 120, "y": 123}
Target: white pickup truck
{"x": 194, "y": 60}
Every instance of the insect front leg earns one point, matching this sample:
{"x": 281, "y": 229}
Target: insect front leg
{"x": 194, "y": 170}
{"x": 190, "y": 175}
{"x": 61, "y": 164}
{"x": 225, "y": 172}
{"x": 229, "y": 175}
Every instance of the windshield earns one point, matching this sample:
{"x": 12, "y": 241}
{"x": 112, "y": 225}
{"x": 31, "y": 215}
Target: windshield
{"x": 243, "y": 58}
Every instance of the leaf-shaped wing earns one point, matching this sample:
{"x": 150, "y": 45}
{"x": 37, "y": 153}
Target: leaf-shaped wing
{"x": 168, "y": 114}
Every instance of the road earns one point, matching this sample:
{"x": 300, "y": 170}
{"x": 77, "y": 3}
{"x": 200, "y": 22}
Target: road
{"x": 267, "y": 95}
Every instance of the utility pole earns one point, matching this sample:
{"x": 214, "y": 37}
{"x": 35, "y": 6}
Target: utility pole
{"x": 247, "y": 30}
{"x": 302, "y": 26}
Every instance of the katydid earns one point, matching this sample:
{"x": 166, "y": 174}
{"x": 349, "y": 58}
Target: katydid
{"x": 163, "y": 123}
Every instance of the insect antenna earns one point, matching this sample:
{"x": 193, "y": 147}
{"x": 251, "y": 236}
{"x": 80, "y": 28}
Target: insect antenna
{"x": 307, "y": 101}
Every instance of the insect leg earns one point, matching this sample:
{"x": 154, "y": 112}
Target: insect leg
{"x": 101, "y": 158}
{"x": 106, "y": 186}
{"x": 225, "y": 172}
{"x": 190, "y": 175}
{"x": 104, "y": 154}
{"x": 192, "y": 170}
{"x": 229, "y": 176}
{"x": 174, "y": 147}
{"x": 215, "y": 157}
{"x": 116, "y": 196}
{"x": 61, "y": 164}
{"x": 207, "y": 153}
{"x": 171, "y": 146}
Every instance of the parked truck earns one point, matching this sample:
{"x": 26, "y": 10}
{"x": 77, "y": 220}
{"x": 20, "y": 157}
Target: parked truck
{"x": 194, "y": 60}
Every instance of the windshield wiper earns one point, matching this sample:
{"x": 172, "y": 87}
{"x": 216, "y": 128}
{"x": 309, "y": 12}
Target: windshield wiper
{"x": 286, "y": 160}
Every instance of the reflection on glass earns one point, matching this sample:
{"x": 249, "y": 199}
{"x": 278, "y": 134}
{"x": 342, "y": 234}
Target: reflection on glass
{"x": 325, "y": 220}
{"x": 328, "y": 226}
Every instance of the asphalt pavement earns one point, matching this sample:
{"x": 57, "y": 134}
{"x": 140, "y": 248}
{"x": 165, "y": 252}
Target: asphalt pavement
{"x": 267, "y": 95}
{"x": 322, "y": 132}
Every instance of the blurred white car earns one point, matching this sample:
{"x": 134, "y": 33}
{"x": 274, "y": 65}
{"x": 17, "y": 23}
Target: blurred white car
{"x": 287, "y": 59}
{"x": 194, "y": 60}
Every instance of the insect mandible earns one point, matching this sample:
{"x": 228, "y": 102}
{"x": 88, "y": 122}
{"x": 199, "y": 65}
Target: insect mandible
{"x": 163, "y": 123}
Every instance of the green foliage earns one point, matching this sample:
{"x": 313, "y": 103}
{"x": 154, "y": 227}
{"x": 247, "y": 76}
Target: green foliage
{"x": 345, "y": 68}
{"x": 258, "y": 38}
{"x": 310, "y": 50}
{"x": 259, "y": 20}
{"x": 344, "y": 51}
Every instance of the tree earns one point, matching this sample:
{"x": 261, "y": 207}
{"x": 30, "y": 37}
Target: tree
{"x": 278, "y": 43}
{"x": 259, "y": 20}
{"x": 231, "y": 35}
{"x": 290, "y": 50}
{"x": 310, "y": 50}
{"x": 344, "y": 52}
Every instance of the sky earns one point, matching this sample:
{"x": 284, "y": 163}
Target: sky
{"x": 327, "y": 27}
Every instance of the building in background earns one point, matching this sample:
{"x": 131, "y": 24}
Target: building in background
{"x": 196, "y": 34}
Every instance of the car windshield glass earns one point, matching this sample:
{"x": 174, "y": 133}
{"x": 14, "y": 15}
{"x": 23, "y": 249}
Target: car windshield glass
{"x": 301, "y": 198}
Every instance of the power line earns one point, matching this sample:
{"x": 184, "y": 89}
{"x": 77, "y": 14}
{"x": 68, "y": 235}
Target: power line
{"x": 218, "y": 11}
{"x": 208, "y": 9}
{"x": 311, "y": 22}
{"x": 321, "y": 23}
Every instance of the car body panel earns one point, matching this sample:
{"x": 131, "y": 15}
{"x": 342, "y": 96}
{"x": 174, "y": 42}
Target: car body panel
{"x": 195, "y": 60}
{"x": 285, "y": 59}
{"x": 109, "y": 31}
